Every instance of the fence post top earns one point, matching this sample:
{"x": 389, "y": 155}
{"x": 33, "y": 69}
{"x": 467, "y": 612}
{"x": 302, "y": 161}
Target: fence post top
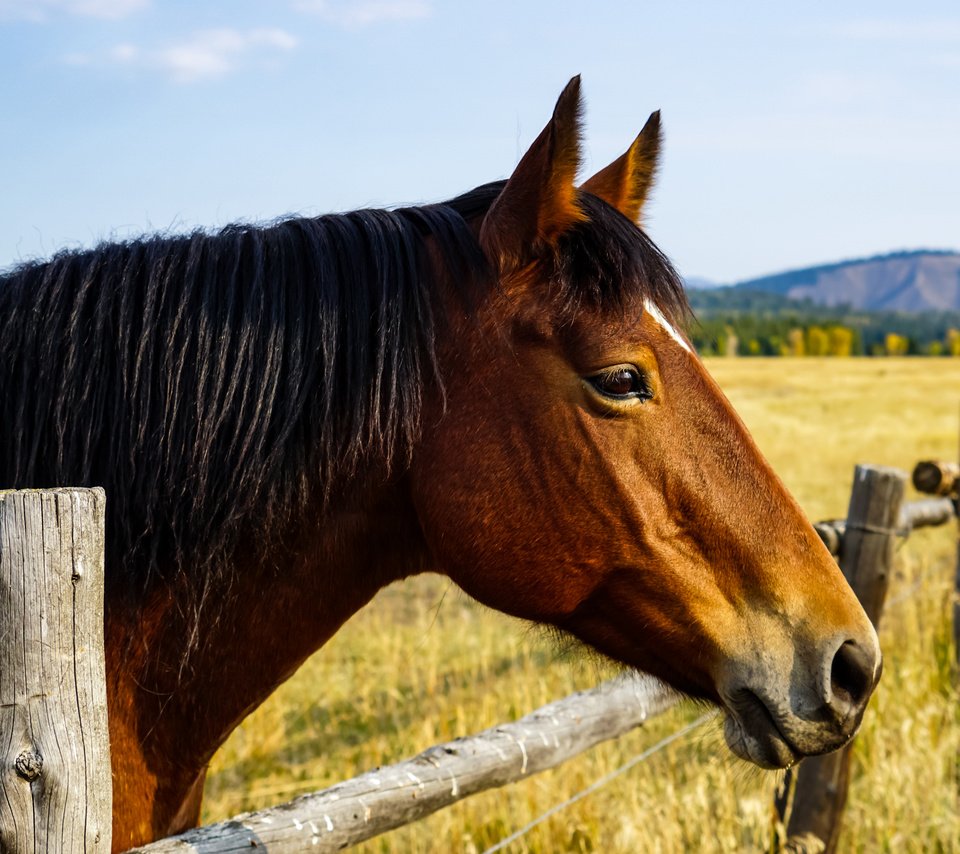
{"x": 97, "y": 492}
{"x": 862, "y": 471}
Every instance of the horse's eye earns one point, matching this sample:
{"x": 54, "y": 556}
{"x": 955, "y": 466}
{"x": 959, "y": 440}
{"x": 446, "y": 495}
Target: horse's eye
{"x": 622, "y": 384}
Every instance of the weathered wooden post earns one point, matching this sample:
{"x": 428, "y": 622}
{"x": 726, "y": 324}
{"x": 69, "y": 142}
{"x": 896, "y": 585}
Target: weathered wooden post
{"x": 55, "y": 785}
{"x": 819, "y": 784}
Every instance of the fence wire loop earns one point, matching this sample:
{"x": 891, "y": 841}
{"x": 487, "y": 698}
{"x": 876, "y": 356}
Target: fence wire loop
{"x": 879, "y": 529}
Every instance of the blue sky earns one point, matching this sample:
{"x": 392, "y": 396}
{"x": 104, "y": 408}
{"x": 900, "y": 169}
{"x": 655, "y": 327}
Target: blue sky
{"x": 792, "y": 137}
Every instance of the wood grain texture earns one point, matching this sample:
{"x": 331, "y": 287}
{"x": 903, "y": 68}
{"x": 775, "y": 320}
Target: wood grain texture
{"x": 55, "y": 772}
{"x": 390, "y": 797}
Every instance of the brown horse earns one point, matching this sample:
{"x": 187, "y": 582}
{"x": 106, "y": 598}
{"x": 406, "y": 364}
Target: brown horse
{"x": 288, "y": 418}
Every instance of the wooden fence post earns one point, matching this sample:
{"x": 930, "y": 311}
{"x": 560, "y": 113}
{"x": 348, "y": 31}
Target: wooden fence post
{"x": 55, "y": 783}
{"x": 819, "y": 783}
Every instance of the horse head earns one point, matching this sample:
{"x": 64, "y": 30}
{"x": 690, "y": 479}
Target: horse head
{"x": 582, "y": 469}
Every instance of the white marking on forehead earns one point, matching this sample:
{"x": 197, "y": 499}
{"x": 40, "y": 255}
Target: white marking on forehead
{"x": 657, "y": 315}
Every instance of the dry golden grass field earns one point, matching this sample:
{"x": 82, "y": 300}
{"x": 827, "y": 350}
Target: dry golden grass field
{"x": 423, "y": 663}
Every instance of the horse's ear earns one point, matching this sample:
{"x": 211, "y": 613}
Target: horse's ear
{"x": 539, "y": 202}
{"x": 625, "y": 183}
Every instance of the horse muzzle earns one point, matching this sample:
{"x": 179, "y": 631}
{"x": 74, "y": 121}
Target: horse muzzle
{"x": 773, "y": 723}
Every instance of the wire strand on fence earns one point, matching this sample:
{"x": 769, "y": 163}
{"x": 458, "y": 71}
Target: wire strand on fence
{"x": 589, "y": 790}
{"x": 918, "y": 584}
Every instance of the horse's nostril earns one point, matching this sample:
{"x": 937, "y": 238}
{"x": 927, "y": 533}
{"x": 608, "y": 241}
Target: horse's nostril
{"x": 851, "y": 678}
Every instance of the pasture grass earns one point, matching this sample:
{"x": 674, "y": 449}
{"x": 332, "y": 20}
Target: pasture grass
{"x": 424, "y": 663}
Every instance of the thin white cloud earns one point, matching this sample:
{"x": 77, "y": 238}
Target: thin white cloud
{"x": 42, "y": 11}
{"x": 206, "y": 54}
{"x": 362, "y": 13}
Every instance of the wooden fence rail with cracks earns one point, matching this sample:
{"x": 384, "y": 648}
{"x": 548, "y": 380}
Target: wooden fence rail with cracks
{"x": 395, "y": 795}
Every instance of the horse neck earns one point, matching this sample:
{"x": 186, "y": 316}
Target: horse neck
{"x": 170, "y": 710}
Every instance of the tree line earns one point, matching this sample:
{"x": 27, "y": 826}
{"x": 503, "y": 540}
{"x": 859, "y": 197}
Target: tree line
{"x": 745, "y": 323}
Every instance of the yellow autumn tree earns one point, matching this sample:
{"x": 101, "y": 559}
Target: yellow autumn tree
{"x": 841, "y": 341}
{"x": 817, "y": 341}
{"x": 896, "y": 345}
{"x": 795, "y": 344}
{"x": 953, "y": 342}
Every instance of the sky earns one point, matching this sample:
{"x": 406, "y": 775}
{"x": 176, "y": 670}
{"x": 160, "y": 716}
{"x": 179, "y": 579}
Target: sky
{"x": 791, "y": 137}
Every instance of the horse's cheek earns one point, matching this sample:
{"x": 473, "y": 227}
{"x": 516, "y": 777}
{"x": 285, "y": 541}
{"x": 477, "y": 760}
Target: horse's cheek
{"x": 471, "y": 508}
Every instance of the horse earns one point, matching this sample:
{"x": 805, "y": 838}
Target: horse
{"x": 287, "y": 417}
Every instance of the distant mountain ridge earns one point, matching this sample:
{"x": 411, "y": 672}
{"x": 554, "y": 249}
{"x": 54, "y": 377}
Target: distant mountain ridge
{"x": 919, "y": 280}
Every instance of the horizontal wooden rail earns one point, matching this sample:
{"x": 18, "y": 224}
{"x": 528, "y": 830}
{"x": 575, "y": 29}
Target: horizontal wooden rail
{"x": 924, "y": 513}
{"x": 390, "y": 797}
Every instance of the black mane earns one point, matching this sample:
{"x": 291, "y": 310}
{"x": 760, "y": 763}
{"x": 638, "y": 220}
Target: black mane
{"x": 210, "y": 380}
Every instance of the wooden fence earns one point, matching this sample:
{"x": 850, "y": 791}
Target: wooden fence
{"x": 55, "y": 774}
